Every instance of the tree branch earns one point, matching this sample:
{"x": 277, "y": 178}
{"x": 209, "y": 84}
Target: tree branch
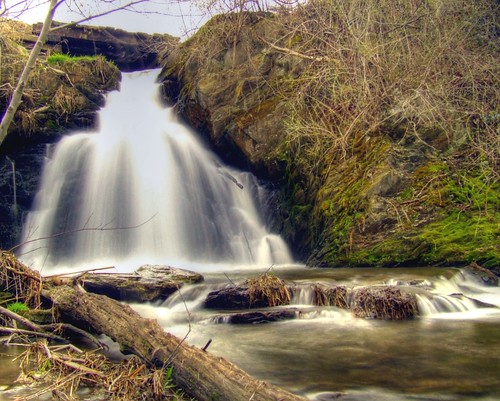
{"x": 91, "y": 17}
{"x": 82, "y": 230}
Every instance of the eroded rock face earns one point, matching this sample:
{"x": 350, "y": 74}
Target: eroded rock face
{"x": 226, "y": 91}
{"x": 130, "y": 51}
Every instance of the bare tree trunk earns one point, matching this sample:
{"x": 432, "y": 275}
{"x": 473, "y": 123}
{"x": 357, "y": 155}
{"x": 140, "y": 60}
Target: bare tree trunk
{"x": 15, "y": 101}
{"x": 200, "y": 374}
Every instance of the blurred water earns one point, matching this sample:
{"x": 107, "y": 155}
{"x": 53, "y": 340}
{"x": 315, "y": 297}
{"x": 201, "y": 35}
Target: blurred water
{"x": 143, "y": 189}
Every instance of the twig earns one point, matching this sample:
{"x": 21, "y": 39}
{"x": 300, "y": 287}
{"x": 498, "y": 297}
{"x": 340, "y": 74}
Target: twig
{"x": 25, "y": 322}
{"x": 231, "y": 281}
{"x": 79, "y": 272}
{"x": 172, "y": 355}
{"x": 294, "y": 53}
{"x": 24, "y": 332}
{"x": 70, "y": 327}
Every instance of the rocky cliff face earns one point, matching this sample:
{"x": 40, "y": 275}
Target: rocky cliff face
{"x": 369, "y": 174}
{"x": 221, "y": 81}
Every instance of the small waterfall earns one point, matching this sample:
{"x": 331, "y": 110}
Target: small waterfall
{"x": 303, "y": 295}
{"x": 143, "y": 189}
{"x": 430, "y": 305}
{"x": 459, "y": 294}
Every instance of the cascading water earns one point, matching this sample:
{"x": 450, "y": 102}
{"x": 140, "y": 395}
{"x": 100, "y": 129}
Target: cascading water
{"x": 144, "y": 189}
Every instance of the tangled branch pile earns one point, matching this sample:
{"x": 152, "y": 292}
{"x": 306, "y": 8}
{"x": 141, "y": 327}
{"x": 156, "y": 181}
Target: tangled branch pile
{"x": 19, "y": 280}
{"x": 67, "y": 369}
{"x": 383, "y": 303}
{"x": 332, "y": 296}
{"x": 268, "y": 289}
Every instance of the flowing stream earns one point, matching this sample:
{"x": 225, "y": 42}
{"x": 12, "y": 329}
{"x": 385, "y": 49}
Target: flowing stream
{"x": 450, "y": 352}
{"x": 143, "y": 189}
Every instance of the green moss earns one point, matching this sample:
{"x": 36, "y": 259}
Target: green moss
{"x": 60, "y": 58}
{"x": 18, "y": 307}
{"x": 463, "y": 237}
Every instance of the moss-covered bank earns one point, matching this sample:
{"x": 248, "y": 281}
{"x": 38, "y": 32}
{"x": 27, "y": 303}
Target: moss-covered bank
{"x": 378, "y": 120}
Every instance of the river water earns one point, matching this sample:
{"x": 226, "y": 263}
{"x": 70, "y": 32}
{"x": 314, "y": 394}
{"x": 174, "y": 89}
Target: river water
{"x": 451, "y": 352}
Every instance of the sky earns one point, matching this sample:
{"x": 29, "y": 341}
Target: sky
{"x": 178, "y": 18}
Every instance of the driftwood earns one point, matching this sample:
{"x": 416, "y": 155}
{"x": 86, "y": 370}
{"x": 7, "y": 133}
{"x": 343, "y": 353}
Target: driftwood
{"x": 200, "y": 374}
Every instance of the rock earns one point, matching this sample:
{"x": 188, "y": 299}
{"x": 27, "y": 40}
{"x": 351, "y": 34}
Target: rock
{"x": 161, "y": 272}
{"x": 477, "y": 302}
{"x": 129, "y": 51}
{"x": 257, "y": 317}
{"x": 481, "y": 275}
{"x": 229, "y": 298}
{"x": 259, "y": 292}
{"x": 229, "y": 99}
{"x": 147, "y": 284}
{"x": 384, "y": 302}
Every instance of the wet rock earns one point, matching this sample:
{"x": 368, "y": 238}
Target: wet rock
{"x": 477, "y": 302}
{"x": 229, "y": 298}
{"x": 481, "y": 275}
{"x": 259, "y": 292}
{"x": 161, "y": 272}
{"x": 258, "y": 317}
{"x": 150, "y": 283}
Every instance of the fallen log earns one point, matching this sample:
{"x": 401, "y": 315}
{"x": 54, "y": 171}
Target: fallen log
{"x": 200, "y": 374}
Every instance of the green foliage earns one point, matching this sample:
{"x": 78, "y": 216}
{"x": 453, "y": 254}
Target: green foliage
{"x": 167, "y": 381}
{"x": 59, "y": 58}
{"x": 18, "y": 307}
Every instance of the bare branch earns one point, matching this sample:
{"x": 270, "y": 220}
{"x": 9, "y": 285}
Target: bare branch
{"x": 61, "y": 234}
{"x": 125, "y": 7}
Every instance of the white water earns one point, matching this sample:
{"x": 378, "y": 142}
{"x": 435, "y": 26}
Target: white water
{"x": 146, "y": 170}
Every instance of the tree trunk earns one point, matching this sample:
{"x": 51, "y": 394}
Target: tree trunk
{"x": 15, "y": 101}
{"x": 200, "y": 374}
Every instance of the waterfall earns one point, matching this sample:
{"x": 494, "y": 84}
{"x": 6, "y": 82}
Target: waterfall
{"x": 143, "y": 189}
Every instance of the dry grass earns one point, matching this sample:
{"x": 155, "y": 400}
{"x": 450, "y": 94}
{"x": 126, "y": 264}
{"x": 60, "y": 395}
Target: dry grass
{"x": 377, "y": 65}
{"x": 333, "y": 296}
{"x": 268, "y": 289}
